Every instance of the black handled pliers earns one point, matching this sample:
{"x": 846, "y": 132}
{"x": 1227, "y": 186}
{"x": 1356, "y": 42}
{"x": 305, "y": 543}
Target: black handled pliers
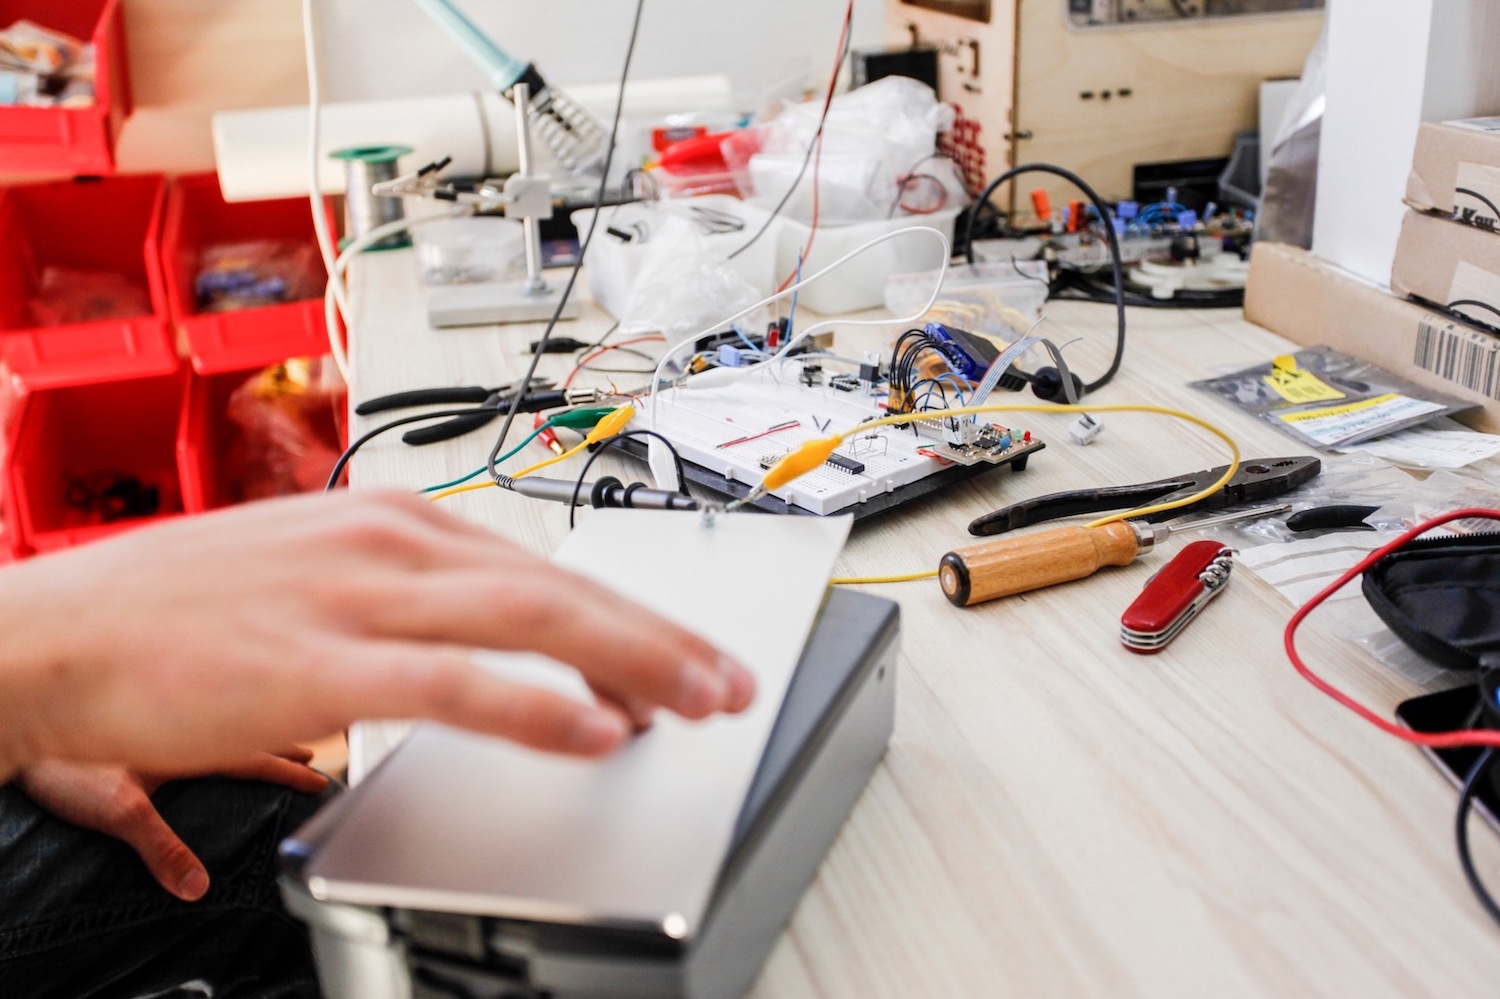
{"x": 488, "y": 404}
{"x": 1257, "y": 479}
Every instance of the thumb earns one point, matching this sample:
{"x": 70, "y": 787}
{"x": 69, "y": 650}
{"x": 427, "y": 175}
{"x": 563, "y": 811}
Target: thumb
{"x": 167, "y": 857}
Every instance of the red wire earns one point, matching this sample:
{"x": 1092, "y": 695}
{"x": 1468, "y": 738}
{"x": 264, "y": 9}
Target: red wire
{"x": 833, "y": 80}
{"x": 567, "y": 382}
{"x": 599, "y": 352}
{"x": 1444, "y": 740}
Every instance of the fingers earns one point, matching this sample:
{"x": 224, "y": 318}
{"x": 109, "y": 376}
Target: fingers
{"x": 130, "y": 817}
{"x": 401, "y": 680}
{"x": 297, "y": 754}
{"x": 623, "y": 650}
{"x": 639, "y": 713}
{"x": 275, "y": 769}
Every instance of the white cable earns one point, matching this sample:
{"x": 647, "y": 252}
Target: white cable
{"x": 314, "y": 141}
{"x": 341, "y": 266}
{"x": 663, "y": 467}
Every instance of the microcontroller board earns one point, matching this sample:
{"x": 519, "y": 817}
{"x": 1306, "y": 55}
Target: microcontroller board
{"x": 730, "y": 434}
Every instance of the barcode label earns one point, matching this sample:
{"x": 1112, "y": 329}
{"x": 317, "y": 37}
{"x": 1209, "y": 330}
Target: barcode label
{"x": 1463, "y": 357}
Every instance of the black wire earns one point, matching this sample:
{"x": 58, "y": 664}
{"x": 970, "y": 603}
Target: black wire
{"x": 1109, "y": 232}
{"x": 1084, "y": 287}
{"x": 600, "y": 342}
{"x": 1477, "y": 773}
{"x": 807, "y": 156}
{"x": 541, "y": 344}
{"x": 616, "y": 439}
{"x": 338, "y": 466}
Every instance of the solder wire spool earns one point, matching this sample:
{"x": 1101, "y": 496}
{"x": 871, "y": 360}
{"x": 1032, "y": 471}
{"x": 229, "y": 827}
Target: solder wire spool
{"x": 364, "y": 210}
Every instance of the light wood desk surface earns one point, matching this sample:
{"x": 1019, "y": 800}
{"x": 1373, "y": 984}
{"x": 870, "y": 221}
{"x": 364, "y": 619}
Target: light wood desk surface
{"x": 1057, "y": 816}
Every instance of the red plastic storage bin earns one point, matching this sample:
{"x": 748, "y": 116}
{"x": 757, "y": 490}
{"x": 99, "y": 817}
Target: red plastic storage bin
{"x": 203, "y": 438}
{"x": 198, "y": 220}
{"x": 63, "y": 242}
{"x": 74, "y": 141}
{"x": 293, "y": 448}
{"x": 85, "y": 458}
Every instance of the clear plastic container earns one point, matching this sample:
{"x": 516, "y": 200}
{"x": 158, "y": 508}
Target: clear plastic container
{"x": 1002, "y": 298}
{"x": 473, "y": 248}
{"x": 860, "y": 283}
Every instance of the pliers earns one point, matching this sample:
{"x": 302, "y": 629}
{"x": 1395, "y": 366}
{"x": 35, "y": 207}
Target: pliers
{"x": 1258, "y": 479}
{"x": 488, "y": 404}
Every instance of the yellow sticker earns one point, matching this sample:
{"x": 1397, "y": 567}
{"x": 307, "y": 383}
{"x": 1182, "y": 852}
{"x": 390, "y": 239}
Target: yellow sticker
{"x": 1306, "y": 415}
{"x": 1296, "y": 385}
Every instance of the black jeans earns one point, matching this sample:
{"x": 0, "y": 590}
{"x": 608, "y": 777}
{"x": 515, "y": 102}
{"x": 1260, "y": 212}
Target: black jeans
{"x": 81, "y": 916}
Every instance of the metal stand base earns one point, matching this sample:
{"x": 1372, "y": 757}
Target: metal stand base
{"x": 494, "y": 302}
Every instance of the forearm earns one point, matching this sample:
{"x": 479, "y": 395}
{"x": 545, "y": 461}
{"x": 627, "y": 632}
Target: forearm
{"x": 35, "y": 638}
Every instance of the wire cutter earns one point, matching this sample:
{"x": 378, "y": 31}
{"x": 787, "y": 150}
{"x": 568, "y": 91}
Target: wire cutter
{"x": 488, "y": 404}
{"x": 1256, "y": 480}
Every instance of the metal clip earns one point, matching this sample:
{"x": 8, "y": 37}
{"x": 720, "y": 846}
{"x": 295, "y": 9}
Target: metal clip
{"x": 1175, "y": 595}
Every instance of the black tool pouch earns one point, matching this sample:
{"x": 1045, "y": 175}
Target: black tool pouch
{"x": 1441, "y": 596}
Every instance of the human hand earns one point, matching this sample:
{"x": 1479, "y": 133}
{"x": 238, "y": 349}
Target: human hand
{"x": 194, "y": 644}
{"x": 117, "y": 802}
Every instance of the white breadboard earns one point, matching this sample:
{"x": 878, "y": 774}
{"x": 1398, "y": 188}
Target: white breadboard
{"x": 737, "y": 430}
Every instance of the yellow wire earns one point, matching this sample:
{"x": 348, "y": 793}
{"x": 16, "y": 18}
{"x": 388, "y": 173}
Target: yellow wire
{"x": 1207, "y": 491}
{"x": 488, "y": 483}
{"x": 455, "y": 490}
{"x": 612, "y": 424}
{"x": 905, "y": 578}
{"x": 904, "y": 418}
{"x": 570, "y": 452}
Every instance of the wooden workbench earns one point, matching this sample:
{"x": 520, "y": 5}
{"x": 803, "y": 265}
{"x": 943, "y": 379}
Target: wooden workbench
{"x": 1058, "y": 816}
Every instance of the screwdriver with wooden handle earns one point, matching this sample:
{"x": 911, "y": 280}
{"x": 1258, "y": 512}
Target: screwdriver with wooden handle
{"x": 1013, "y": 565}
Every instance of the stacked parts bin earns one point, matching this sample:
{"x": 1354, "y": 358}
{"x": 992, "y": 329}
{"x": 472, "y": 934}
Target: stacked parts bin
{"x": 96, "y": 382}
{"x": 70, "y": 141}
{"x": 228, "y": 348}
{"x": 108, "y": 408}
{"x": 110, "y": 227}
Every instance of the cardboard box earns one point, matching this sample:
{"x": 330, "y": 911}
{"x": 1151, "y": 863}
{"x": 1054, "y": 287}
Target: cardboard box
{"x": 1455, "y": 171}
{"x": 1310, "y": 301}
{"x": 1451, "y": 267}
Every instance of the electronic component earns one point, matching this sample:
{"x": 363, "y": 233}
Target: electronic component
{"x": 847, "y": 464}
{"x": 844, "y": 383}
{"x": 730, "y": 337}
{"x": 1085, "y": 429}
{"x": 986, "y": 442}
{"x": 970, "y": 355}
{"x": 713, "y": 428}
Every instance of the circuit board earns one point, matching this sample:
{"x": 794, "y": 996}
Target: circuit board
{"x": 730, "y": 434}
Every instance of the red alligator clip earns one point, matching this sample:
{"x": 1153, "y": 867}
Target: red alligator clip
{"x": 1175, "y": 595}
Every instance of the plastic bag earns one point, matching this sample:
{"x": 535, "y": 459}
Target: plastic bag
{"x": 257, "y": 273}
{"x": 288, "y": 430}
{"x": 1289, "y": 193}
{"x": 1326, "y": 399}
{"x": 873, "y": 138}
{"x": 683, "y": 287}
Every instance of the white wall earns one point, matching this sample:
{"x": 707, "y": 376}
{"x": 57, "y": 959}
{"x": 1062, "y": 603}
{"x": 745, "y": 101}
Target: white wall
{"x": 1392, "y": 64}
{"x": 388, "y": 48}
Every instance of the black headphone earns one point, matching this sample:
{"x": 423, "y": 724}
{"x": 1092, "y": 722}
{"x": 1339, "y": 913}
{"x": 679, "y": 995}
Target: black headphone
{"x": 1047, "y": 384}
